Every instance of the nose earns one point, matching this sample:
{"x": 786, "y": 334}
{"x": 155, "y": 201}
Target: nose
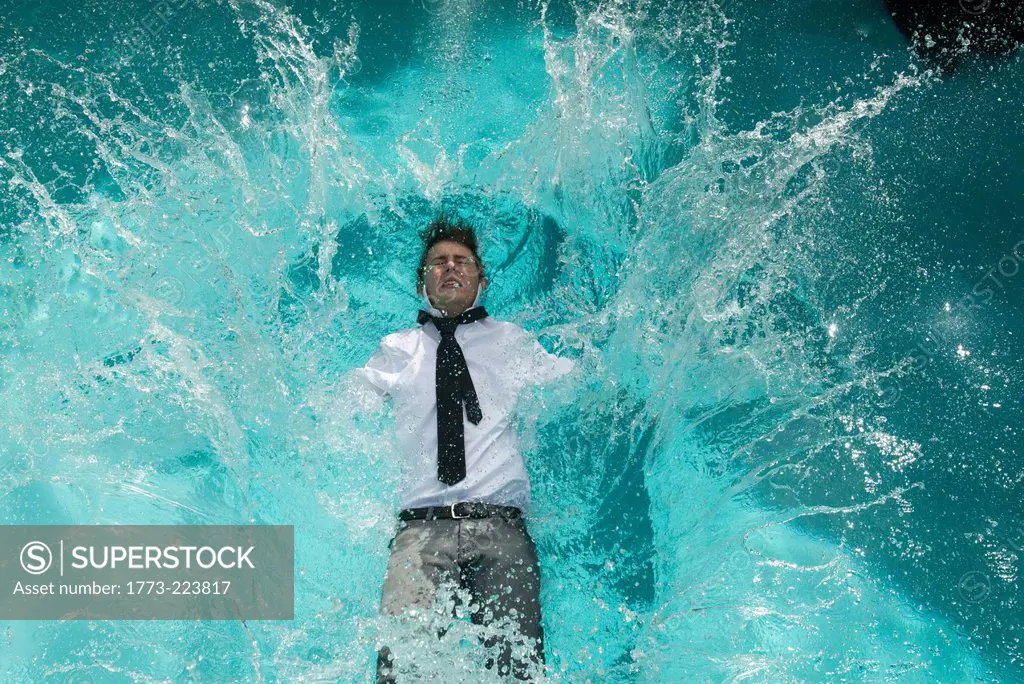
{"x": 447, "y": 271}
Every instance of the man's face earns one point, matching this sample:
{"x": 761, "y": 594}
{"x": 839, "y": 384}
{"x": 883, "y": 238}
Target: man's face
{"x": 451, "y": 277}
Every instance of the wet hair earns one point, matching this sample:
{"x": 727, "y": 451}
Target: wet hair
{"x": 453, "y": 229}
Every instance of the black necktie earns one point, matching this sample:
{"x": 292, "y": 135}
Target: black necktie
{"x": 453, "y": 387}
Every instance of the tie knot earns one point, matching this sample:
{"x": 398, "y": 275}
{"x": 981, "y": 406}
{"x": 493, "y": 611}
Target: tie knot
{"x": 446, "y": 326}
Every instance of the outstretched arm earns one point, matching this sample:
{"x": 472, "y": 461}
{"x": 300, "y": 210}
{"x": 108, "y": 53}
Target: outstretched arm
{"x": 536, "y": 365}
{"x": 382, "y": 371}
{"x": 546, "y": 366}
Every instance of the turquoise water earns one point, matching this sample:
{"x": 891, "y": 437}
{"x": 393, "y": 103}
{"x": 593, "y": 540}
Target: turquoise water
{"x": 787, "y": 255}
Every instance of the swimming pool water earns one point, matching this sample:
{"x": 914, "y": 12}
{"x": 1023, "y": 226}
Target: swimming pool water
{"x": 787, "y": 254}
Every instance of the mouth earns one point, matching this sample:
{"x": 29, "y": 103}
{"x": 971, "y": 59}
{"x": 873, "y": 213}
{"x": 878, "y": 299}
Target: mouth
{"x": 452, "y": 283}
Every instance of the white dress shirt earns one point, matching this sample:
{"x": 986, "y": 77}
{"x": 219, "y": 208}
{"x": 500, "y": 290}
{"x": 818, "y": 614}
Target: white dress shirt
{"x": 503, "y": 360}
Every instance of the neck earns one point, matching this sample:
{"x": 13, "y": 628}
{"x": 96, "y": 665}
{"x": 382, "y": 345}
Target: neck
{"x": 453, "y": 313}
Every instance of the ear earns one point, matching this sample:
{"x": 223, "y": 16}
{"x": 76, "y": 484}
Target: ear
{"x": 483, "y": 283}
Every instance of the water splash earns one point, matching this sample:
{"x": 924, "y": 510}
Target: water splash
{"x": 183, "y": 308}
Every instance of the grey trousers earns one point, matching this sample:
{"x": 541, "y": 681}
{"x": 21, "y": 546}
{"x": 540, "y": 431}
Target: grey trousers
{"x": 493, "y": 558}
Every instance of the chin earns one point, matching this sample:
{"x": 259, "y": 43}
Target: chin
{"x": 453, "y": 303}
{"x": 460, "y": 303}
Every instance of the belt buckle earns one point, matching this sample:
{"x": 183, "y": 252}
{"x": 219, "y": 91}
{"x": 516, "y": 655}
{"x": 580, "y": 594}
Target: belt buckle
{"x": 457, "y": 517}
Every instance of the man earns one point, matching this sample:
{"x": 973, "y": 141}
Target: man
{"x": 454, "y": 381}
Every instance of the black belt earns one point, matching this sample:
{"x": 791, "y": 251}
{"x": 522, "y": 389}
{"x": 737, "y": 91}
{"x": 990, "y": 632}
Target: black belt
{"x": 457, "y": 511}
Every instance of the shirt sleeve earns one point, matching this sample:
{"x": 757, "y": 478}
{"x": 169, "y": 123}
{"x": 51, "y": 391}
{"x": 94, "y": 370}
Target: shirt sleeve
{"x": 542, "y": 366}
{"x": 382, "y": 371}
